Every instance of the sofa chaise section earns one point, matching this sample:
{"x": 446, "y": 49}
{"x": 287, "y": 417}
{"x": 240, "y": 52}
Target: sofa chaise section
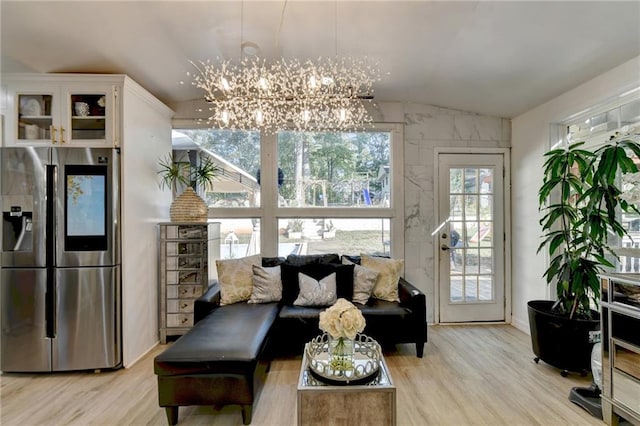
{"x": 218, "y": 362}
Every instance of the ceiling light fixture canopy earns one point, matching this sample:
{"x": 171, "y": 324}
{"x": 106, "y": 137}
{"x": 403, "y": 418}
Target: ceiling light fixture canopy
{"x": 327, "y": 94}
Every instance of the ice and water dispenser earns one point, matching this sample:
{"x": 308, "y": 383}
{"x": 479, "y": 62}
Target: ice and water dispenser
{"x": 17, "y": 228}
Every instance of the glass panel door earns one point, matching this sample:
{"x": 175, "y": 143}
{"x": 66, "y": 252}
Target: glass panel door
{"x": 472, "y": 245}
{"x": 35, "y": 117}
{"x": 88, "y": 116}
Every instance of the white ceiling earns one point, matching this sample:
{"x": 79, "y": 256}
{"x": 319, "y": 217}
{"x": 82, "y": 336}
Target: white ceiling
{"x": 496, "y": 58}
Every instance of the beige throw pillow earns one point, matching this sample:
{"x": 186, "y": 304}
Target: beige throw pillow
{"x": 364, "y": 279}
{"x": 236, "y": 278}
{"x": 389, "y": 270}
{"x": 267, "y": 284}
{"x": 316, "y": 293}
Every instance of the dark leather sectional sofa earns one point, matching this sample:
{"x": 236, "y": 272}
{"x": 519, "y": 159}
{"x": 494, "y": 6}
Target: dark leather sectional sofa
{"x": 225, "y": 357}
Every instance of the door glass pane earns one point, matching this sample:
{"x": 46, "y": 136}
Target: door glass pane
{"x": 455, "y": 294}
{"x": 483, "y": 235}
{"x": 471, "y": 288}
{"x": 472, "y": 228}
{"x": 471, "y": 181}
{"x": 455, "y": 181}
{"x": 485, "y": 284}
{"x": 486, "y": 206}
{"x": 471, "y": 261}
{"x": 486, "y": 181}
{"x": 455, "y": 206}
{"x": 471, "y": 207}
{"x": 471, "y": 236}
{"x": 486, "y": 261}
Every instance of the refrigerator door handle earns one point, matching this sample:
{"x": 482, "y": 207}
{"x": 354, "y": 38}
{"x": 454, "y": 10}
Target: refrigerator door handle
{"x": 50, "y": 244}
{"x": 50, "y": 304}
{"x": 50, "y": 230}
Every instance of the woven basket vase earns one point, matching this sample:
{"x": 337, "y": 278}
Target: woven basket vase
{"x": 189, "y": 207}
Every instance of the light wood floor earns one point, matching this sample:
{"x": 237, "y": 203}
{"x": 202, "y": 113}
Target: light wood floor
{"x": 470, "y": 375}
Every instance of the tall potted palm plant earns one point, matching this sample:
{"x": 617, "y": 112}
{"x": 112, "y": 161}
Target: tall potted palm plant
{"x": 577, "y": 228}
{"x": 187, "y": 206}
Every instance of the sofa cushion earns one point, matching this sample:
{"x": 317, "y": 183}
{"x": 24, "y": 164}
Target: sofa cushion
{"x": 291, "y": 288}
{"x": 314, "y": 292}
{"x": 267, "y": 285}
{"x": 301, "y": 312}
{"x": 355, "y": 259}
{"x": 386, "y": 287}
{"x": 377, "y": 307}
{"x": 364, "y": 279}
{"x": 228, "y": 340}
{"x": 236, "y": 278}
{"x": 272, "y": 261}
{"x": 306, "y": 259}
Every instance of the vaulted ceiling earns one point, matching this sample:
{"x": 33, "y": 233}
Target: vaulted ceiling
{"x": 497, "y": 58}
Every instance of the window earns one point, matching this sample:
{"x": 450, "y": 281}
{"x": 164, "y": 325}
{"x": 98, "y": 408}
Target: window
{"x": 239, "y": 237}
{"x": 329, "y": 169}
{"x": 271, "y": 189}
{"x": 236, "y": 156}
{"x": 595, "y": 129}
{"x": 335, "y": 235}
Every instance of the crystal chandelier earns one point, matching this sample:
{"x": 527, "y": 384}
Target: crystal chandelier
{"x": 327, "y": 94}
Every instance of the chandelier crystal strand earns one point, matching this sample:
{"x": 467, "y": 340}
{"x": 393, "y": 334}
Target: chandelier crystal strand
{"x": 326, "y": 94}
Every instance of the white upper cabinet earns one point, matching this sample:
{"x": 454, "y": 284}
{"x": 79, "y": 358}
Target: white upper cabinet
{"x": 47, "y": 113}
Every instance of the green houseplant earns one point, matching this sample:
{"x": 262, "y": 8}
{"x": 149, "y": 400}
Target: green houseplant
{"x": 576, "y": 228}
{"x": 188, "y": 206}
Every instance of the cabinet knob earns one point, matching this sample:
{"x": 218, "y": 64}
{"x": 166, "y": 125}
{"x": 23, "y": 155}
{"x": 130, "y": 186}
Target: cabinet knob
{"x": 53, "y": 134}
{"x": 61, "y": 134}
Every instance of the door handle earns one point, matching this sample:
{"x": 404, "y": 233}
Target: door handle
{"x": 445, "y": 247}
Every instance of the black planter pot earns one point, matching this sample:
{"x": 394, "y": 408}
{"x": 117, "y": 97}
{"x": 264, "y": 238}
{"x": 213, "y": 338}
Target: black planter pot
{"x": 560, "y": 341}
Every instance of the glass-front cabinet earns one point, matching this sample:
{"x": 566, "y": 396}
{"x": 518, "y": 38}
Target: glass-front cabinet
{"x": 42, "y": 113}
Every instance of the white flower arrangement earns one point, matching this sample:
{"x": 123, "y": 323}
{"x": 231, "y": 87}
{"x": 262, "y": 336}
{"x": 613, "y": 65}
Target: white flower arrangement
{"x": 342, "y": 320}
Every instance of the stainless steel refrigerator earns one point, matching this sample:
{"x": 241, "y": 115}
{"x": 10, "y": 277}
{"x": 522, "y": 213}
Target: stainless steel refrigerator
{"x": 60, "y": 277}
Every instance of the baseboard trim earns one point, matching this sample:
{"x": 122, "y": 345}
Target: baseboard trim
{"x": 521, "y": 325}
{"x": 132, "y": 363}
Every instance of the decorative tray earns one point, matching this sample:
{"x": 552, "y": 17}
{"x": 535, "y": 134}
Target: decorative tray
{"x": 366, "y": 361}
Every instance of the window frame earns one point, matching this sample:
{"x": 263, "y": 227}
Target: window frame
{"x": 559, "y": 133}
{"x": 269, "y": 212}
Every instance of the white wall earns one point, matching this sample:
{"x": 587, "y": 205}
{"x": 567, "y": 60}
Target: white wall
{"x": 146, "y": 130}
{"x": 530, "y": 139}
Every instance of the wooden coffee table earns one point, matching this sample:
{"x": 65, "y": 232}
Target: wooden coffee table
{"x": 322, "y": 404}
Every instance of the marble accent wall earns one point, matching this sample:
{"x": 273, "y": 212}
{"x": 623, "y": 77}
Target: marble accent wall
{"x": 427, "y": 127}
